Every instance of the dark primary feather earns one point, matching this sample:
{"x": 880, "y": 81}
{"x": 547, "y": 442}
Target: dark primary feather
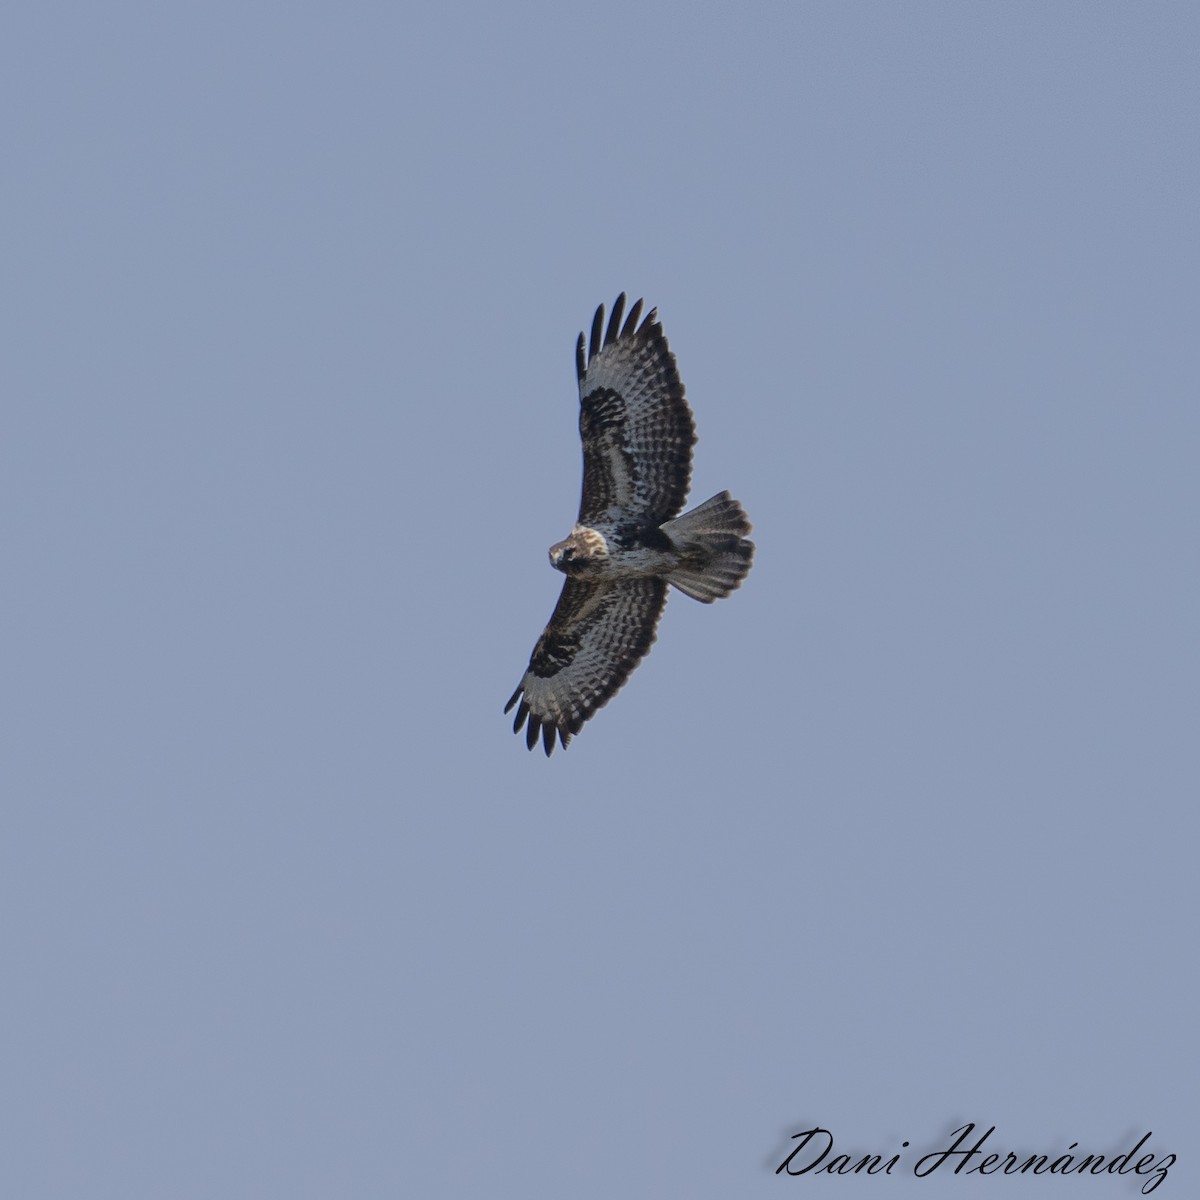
{"x": 614, "y": 322}
{"x": 599, "y": 632}
{"x": 634, "y": 421}
{"x": 632, "y": 320}
{"x": 597, "y": 326}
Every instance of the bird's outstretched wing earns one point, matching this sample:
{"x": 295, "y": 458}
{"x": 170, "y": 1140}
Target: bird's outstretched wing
{"x": 599, "y": 632}
{"x": 634, "y": 421}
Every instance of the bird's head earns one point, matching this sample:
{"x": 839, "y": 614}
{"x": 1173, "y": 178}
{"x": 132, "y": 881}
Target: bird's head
{"x": 582, "y": 553}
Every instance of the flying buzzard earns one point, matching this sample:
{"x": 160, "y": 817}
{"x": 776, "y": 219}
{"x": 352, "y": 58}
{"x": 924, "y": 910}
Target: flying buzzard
{"x": 628, "y": 543}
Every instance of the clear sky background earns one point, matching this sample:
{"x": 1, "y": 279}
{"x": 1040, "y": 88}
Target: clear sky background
{"x": 899, "y": 837}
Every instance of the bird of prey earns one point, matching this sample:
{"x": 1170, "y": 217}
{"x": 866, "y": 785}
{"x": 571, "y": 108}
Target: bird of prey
{"x": 629, "y": 542}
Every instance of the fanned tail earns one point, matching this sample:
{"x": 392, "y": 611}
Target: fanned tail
{"x": 716, "y": 553}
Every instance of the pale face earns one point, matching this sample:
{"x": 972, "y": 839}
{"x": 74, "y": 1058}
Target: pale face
{"x": 582, "y": 553}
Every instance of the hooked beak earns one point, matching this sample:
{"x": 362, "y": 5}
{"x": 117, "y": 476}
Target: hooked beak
{"x": 560, "y": 555}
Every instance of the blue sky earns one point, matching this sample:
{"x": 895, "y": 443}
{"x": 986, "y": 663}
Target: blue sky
{"x": 898, "y": 837}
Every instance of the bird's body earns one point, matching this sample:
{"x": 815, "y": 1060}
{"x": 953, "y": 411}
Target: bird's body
{"x": 628, "y": 543}
{"x": 600, "y": 552}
